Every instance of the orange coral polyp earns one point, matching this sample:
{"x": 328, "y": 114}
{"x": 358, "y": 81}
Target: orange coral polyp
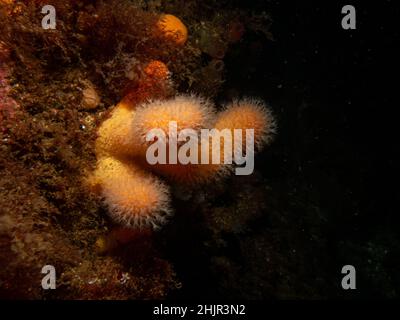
{"x": 134, "y": 198}
{"x": 173, "y": 28}
{"x": 249, "y": 114}
{"x": 189, "y": 112}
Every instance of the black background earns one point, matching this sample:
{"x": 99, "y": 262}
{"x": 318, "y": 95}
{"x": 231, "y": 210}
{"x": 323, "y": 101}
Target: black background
{"x": 334, "y": 94}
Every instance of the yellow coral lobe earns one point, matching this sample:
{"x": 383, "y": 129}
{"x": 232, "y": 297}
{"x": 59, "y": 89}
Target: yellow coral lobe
{"x": 173, "y": 28}
{"x": 115, "y": 132}
{"x": 134, "y": 197}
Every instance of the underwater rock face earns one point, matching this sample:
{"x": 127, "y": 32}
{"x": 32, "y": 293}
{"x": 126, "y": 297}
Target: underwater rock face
{"x": 7, "y": 104}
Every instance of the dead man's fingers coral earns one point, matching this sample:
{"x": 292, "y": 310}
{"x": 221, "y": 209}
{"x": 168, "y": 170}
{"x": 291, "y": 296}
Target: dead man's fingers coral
{"x": 223, "y": 146}
{"x": 135, "y": 198}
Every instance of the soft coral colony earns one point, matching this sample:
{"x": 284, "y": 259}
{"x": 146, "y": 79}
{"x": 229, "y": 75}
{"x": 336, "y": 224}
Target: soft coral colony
{"x": 134, "y": 191}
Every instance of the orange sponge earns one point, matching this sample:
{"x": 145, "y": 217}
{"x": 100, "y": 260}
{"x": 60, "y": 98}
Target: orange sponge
{"x": 173, "y": 28}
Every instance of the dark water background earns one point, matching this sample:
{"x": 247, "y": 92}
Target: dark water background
{"x": 331, "y": 90}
